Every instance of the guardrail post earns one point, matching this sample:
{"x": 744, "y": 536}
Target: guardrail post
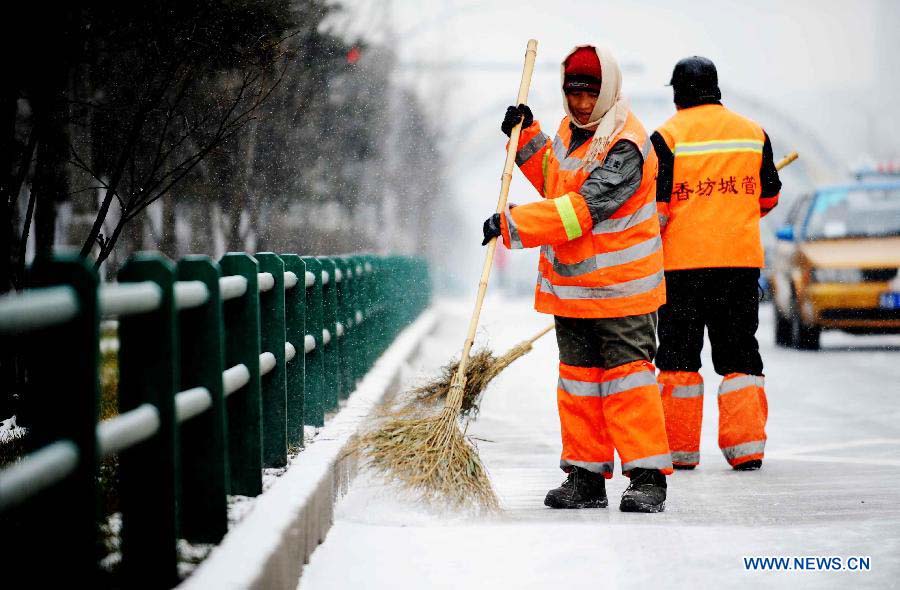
{"x": 379, "y": 285}
{"x": 272, "y": 337}
{"x": 244, "y": 408}
{"x": 60, "y": 403}
{"x": 392, "y": 278}
{"x": 204, "y": 454}
{"x": 314, "y": 380}
{"x": 371, "y": 312}
{"x": 426, "y": 272}
{"x": 341, "y": 315}
{"x": 295, "y": 332}
{"x": 149, "y": 373}
{"x": 355, "y": 306}
{"x": 331, "y": 350}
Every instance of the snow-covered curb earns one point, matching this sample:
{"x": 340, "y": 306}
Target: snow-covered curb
{"x": 269, "y": 547}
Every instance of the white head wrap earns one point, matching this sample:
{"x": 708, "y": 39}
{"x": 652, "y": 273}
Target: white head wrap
{"x": 611, "y": 110}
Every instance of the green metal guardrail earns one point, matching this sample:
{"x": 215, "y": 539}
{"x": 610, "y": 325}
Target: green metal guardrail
{"x": 220, "y": 367}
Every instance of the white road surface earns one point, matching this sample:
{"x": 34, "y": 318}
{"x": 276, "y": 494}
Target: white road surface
{"x": 830, "y": 485}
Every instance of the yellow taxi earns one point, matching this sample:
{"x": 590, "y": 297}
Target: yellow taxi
{"x": 835, "y": 264}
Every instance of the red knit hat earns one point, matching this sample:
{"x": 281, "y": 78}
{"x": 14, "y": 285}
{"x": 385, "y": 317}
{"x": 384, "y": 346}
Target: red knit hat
{"x": 583, "y": 71}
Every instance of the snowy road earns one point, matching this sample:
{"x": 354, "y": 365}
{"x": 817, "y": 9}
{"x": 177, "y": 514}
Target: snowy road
{"x": 829, "y": 487}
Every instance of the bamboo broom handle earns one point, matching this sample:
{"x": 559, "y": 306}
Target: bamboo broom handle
{"x": 522, "y": 98}
{"x": 786, "y": 160}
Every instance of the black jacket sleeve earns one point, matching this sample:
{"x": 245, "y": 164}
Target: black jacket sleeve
{"x": 666, "y": 165}
{"x": 768, "y": 174}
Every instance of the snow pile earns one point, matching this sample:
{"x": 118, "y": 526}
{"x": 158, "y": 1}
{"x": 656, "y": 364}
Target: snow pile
{"x": 10, "y": 431}
{"x": 111, "y": 532}
{"x": 190, "y": 555}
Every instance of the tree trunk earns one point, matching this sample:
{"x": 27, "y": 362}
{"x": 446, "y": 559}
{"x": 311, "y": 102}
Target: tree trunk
{"x": 168, "y": 240}
{"x": 51, "y": 183}
{"x": 8, "y": 166}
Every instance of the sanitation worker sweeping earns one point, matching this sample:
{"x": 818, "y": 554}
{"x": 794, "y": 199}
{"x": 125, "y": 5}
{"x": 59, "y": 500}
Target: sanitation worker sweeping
{"x": 601, "y": 276}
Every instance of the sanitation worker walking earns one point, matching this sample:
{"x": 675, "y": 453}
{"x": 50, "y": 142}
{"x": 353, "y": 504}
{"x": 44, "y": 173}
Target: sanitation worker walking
{"x": 716, "y": 179}
{"x": 601, "y": 276}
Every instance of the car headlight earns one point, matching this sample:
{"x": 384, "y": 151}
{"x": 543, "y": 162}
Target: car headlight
{"x": 837, "y": 275}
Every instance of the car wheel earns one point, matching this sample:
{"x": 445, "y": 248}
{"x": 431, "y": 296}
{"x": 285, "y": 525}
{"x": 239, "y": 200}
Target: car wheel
{"x": 803, "y": 336}
{"x": 783, "y": 335}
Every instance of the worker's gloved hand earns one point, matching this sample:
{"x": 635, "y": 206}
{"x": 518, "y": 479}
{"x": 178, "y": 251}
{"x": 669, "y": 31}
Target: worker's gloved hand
{"x": 513, "y": 115}
{"x": 491, "y": 228}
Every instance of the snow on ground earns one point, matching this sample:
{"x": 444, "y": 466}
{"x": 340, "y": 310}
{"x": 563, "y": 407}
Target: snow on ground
{"x": 829, "y": 486}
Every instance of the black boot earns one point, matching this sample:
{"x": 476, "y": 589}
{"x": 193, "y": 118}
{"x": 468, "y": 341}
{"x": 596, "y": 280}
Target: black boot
{"x": 645, "y": 493}
{"x": 582, "y": 489}
{"x": 751, "y": 465}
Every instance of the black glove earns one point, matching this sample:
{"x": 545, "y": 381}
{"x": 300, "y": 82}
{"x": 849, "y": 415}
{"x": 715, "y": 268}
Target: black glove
{"x": 491, "y": 228}
{"x": 513, "y": 115}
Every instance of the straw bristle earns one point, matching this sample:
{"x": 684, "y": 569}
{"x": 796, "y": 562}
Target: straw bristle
{"x": 481, "y": 368}
{"x": 428, "y": 454}
{"x": 432, "y": 458}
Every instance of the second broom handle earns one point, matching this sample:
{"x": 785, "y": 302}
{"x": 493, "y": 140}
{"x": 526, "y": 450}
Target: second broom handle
{"x": 786, "y": 160}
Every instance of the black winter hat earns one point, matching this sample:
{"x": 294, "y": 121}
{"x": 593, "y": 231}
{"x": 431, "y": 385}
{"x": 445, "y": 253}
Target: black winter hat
{"x": 695, "y": 82}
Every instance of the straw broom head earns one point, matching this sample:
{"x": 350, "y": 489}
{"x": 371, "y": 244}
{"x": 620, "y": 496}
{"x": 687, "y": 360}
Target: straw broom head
{"x": 481, "y": 369}
{"x": 407, "y": 445}
{"x": 430, "y": 457}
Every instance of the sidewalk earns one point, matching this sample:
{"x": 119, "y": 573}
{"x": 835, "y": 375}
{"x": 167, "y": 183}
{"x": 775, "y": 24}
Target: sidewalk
{"x": 829, "y": 486}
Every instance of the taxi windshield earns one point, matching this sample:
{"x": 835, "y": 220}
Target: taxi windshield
{"x": 855, "y": 213}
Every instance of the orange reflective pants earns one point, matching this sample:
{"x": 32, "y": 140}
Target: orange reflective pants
{"x": 605, "y": 409}
{"x": 743, "y": 411}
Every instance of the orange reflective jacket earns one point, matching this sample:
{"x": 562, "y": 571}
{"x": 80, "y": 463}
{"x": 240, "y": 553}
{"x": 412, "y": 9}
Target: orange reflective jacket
{"x": 613, "y": 269}
{"x": 712, "y": 217}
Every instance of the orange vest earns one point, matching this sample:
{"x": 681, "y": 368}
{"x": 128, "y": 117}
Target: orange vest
{"x": 613, "y": 269}
{"x": 712, "y": 218}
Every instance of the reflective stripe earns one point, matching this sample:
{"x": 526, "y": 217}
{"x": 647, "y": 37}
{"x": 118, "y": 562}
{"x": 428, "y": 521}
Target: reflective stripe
{"x": 755, "y": 447}
{"x": 629, "y": 254}
{"x": 579, "y": 388}
{"x": 698, "y": 148}
{"x": 736, "y": 383}
{"x": 606, "y": 259}
{"x": 531, "y": 148}
{"x": 514, "y": 240}
{"x": 663, "y": 461}
{"x": 572, "y": 163}
{"x": 545, "y": 161}
{"x": 687, "y": 391}
{"x": 569, "y": 218}
{"x": 606, "y": 388}
{"x": 570, "y": 270}
{"x": 559, "y": 150}
{"x": 628, "y": 288}
{"x": 601, "y": 467}
{"x": 639, "y": 379}
{"x": 685, "y": 457}
{"x": 609, "y": 226}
